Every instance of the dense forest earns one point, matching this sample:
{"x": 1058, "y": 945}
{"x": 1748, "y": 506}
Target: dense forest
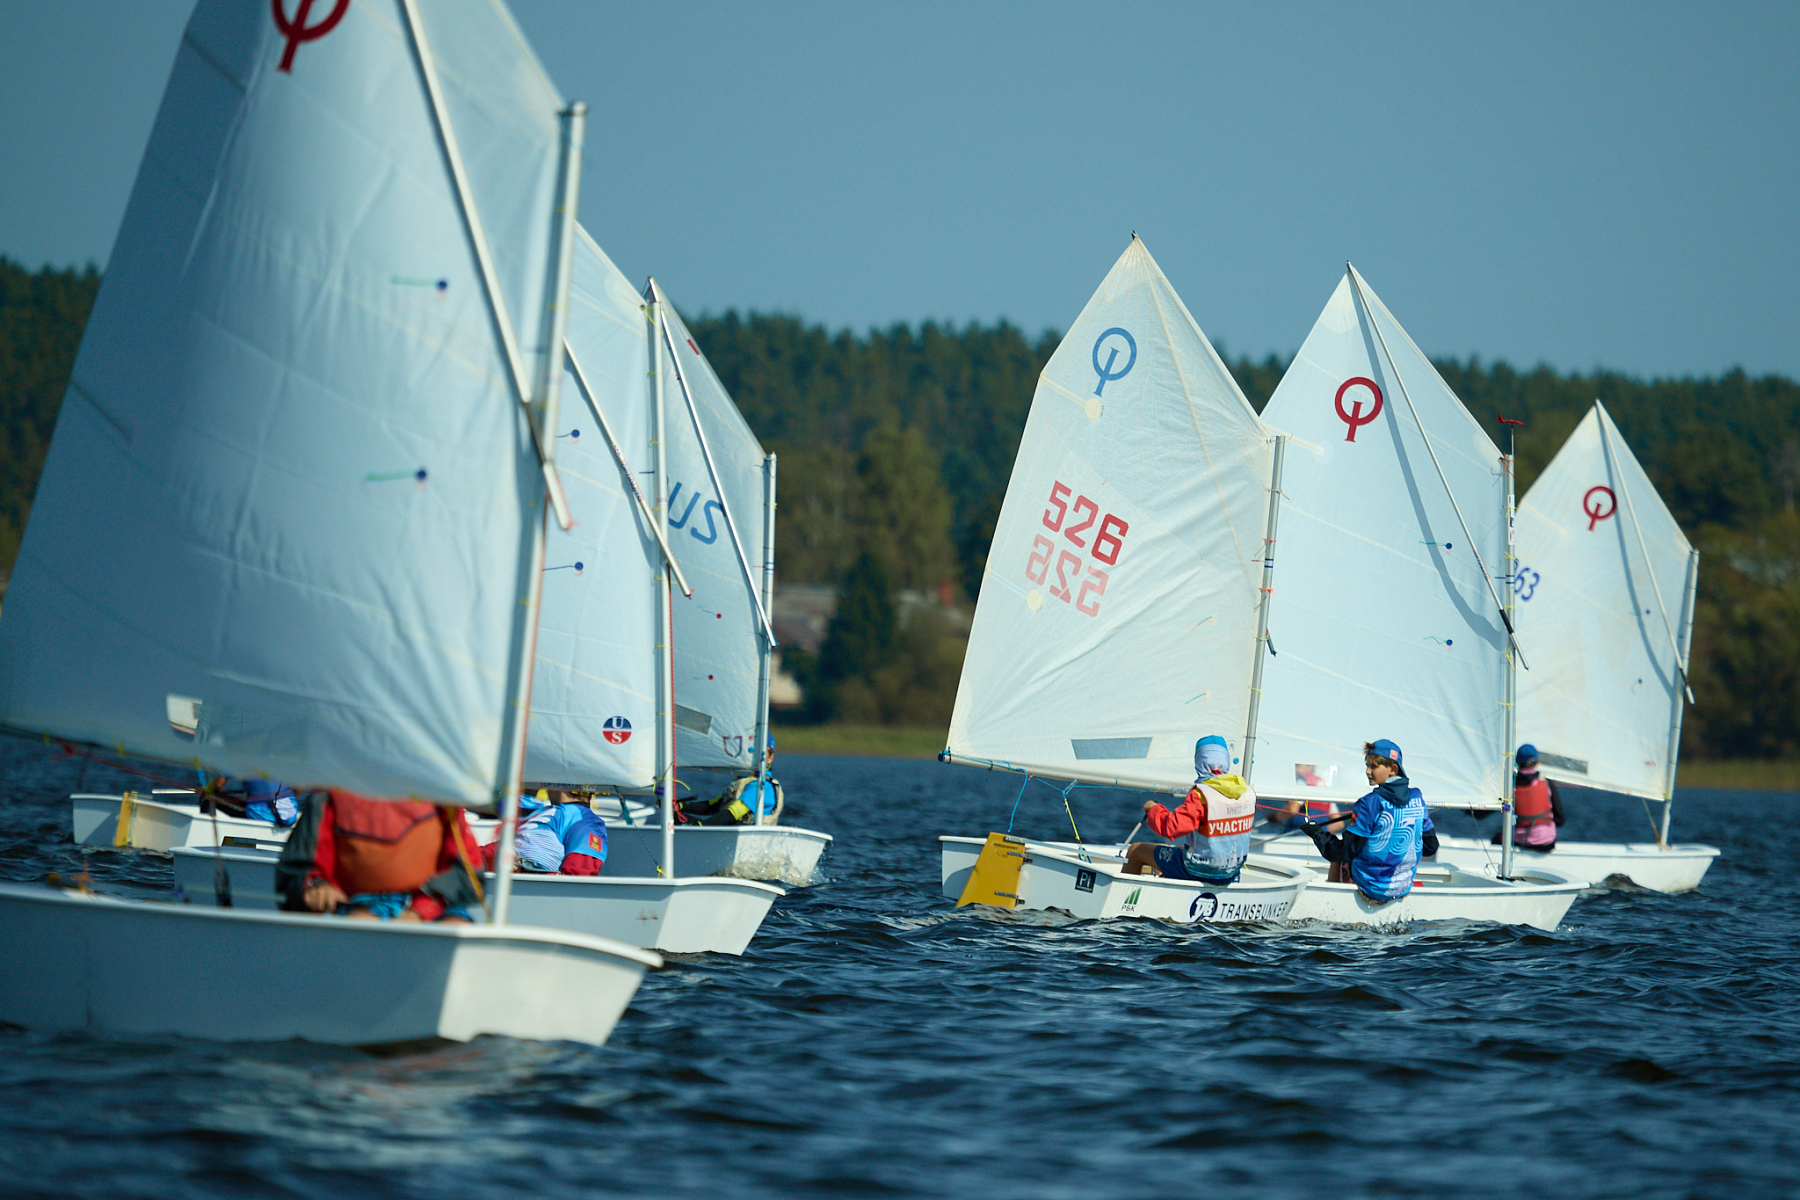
{"x": 896, "y": 446}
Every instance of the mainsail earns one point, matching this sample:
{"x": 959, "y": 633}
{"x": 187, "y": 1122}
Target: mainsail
{"x": 1605, "y": 589}
{"x": 1385, "y": 619}
{"x": 593, "y": 700}
{"x": 1118, "y": 617}
{"x": 291, "y": 491}
{"x": 716, "y": 532}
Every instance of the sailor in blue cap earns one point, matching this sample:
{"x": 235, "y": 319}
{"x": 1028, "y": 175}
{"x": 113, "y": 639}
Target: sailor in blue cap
{"x": 1390, "y": 828}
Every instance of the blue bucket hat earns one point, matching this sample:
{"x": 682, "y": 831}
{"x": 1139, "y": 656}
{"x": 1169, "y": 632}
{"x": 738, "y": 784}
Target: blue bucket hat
{"x": 1527, "y": 755}
{"x": 1389, "y": 750}
{"x": 1211, "y": 756}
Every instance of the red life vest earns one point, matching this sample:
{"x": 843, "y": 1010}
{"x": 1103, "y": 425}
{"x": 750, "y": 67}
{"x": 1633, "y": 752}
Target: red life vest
{"x": 1536, "y": 823}
{"x": 385, "y": 845}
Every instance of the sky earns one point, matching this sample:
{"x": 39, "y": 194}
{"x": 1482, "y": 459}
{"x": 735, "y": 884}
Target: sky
{"x": 1587, "y": 185}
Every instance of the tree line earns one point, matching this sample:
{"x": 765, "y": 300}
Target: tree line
{"x": 896, "y": 446}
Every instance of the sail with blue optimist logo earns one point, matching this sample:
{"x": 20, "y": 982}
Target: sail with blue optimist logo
{"x": 1117, "y": 620}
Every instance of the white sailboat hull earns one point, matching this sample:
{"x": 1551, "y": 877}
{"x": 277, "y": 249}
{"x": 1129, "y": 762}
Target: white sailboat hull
{"x": 1094, "y": 887}
{"x": 1535, "y": 896}
{"x": 699, "y": 915}
{"x": 134, "y": 968}
{"x": 781, "y": 853}
{"x": 1538, "y": 895}
{"x": 160, "y": 821}
{"x": 1671, "y": 869}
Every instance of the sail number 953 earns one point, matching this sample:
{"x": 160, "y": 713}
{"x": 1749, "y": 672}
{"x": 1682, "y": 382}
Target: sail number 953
{"x": 1075, "y": 521}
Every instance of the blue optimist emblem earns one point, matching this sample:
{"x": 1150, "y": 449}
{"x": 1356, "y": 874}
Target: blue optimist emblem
{"x": 1110, "y": 341}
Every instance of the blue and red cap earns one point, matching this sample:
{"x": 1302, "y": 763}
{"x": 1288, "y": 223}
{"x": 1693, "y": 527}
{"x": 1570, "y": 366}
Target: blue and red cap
{"x": 1388, "y": 750}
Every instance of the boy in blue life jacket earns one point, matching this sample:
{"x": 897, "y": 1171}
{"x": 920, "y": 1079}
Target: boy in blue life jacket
{"x": 559, "y": 835}
{"x": 754, "y": 799}
{"x": 1390, "y": 829}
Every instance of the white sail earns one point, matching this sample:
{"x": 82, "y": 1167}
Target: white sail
{"x": 1605, "y": 604}
{"x": 1383, "y": 623}
{"x": 593, "y": 698}
{"x": 1117, "y": 619}
{"x": 291, "y": 489}
{"x": 719, "y": 630}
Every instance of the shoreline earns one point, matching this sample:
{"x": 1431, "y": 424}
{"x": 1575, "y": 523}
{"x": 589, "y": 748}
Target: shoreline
{"x": 901, "y": 741}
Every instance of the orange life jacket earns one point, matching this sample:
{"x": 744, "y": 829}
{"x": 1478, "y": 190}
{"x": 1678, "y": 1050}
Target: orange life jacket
{"x": 1536, "y": 823}
{"x": 385, "y": 845}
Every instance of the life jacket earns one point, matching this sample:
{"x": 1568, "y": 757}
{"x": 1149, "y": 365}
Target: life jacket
{"x": 1535, "y": 822}
{"x": 385, "y": 845}
{"x": 1217, "y": 849}
{"x": 1393, "y": 839}
{"x": 743, "y": 808}
{"x": 549, "y": 836}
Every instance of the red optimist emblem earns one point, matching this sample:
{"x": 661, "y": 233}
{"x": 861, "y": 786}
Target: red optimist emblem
{"x": 297, "y": 30}
{"x": 1591, "y": 504}
{"x": 1354, "y": 418}
{"x": 616, "y": 730}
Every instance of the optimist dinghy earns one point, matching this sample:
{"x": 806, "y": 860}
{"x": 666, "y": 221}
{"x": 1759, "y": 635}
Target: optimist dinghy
{"x": 1386, "y": 618}
{"x": 1117, "y": 621}
{"x": 309, "y": 434}
{"x": 1605, "y": 585}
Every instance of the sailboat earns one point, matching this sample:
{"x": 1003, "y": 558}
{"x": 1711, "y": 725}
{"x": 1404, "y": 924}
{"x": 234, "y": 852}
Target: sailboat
{"x": 298, "y": 490}
{"x": 1117, "y": 621}
{"x": 1604, "y": 587}
{"x": 1388, "y": 618}
{"x": 721, "y": 530}
{"x": 602, "y": 658}
{"x": 720, "y": 500}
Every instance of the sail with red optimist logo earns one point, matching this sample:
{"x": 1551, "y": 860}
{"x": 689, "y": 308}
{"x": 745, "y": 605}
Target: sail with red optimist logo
{"x": 1605, "y": 595}
{"x": 1382, "y": 622}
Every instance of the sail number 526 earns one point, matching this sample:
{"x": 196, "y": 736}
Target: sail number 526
{"x": 1074, "y": 521}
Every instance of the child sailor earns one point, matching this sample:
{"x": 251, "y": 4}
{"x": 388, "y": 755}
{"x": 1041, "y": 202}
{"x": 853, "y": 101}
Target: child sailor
{"x": 1213, "y": 823}
{"x": 1390, "y": 829}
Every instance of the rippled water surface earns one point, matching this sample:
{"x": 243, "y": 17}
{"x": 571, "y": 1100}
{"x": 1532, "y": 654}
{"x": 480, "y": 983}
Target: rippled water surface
{"x": 874, "y": 1042}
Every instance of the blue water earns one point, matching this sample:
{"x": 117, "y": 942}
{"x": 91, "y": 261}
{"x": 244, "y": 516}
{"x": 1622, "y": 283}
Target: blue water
{"x": 875, "y": 1043}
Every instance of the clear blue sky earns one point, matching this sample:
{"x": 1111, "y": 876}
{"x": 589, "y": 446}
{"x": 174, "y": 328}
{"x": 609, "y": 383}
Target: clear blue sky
{"x": 1587, "y": 184}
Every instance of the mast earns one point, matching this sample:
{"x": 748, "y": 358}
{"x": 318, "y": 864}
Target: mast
{"x": 1682, "y": 692}
{"x": 1262, "y": 615}
{"x": 547, "y": 386}
{"x": 766, "y": 668}
{"x": 665, "y": 600}
{"x": 1510, "y": 700}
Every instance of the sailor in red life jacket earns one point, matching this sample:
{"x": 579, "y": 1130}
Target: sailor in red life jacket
{"x": 1212, "y": 824}
{"x": 380, "y": 860}
{"x": 1537, "y": 805}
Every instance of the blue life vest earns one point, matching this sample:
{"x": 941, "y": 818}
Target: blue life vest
{"x": 269, "y": 800}
{"x": 550, "y": 833}
{"x": 1394, "y": 836}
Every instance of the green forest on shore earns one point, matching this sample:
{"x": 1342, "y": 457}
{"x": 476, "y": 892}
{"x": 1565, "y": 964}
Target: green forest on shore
{"x": 896, "y": 446}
